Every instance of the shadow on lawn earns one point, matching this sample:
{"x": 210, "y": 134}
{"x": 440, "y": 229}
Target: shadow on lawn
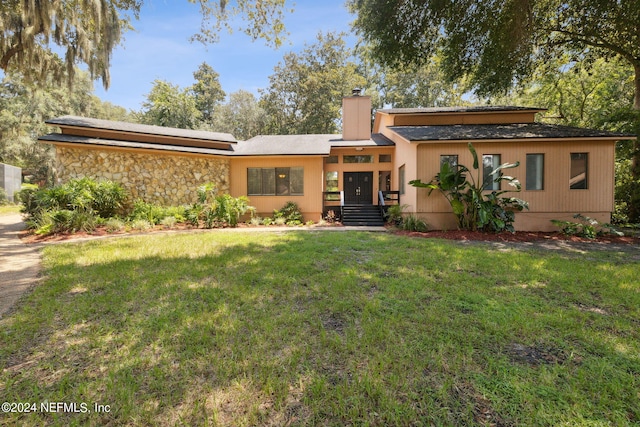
{"x": 294, "y": 328}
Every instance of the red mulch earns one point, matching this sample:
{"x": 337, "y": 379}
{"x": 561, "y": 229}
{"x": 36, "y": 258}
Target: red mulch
{"x": 518, "y": 236}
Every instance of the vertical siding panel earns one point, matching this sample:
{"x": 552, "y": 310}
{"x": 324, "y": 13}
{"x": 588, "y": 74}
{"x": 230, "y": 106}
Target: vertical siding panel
{"x": 556, "y": 200}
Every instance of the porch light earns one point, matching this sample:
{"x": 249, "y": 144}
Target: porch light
{"x": 282, "y": 176}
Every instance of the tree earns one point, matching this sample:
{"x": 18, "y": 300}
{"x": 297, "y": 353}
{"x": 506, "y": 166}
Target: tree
{"x": 88, "y": 31}
{"x": 241, "y": 116}
{"x": 409, "y": 86}
{"x": 25, "y": 106}
{"x": 207, "y": 90}
{"x": 498, "y": 42}
{"x": 168, "y": 105}
{"x": 305, "y": 92}
{"x": 596, "y": 96}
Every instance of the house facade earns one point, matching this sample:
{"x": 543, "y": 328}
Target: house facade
{"x": 563, "y": 170}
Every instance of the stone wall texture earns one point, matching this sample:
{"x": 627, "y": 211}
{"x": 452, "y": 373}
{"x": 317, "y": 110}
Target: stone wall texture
{"x": 168, "y": 180}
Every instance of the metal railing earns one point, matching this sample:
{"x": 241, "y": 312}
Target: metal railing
{"x": 386, "y": 198}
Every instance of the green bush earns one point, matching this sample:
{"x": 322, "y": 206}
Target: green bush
{"x": 413, "y": 223}
{"x": 114, "y": 225}
{"x": 27, "y": 198}
{"x": 394, "y": 215}
{"x": 74, "y": 206}
{"x": 103, "y": 199}
{"x": 4, "y": 200}
{"x": 146, "y": 211}
{"x": 585, "y": 227}
{"x": 472, "y": 206}
{"x": 289, "y": 213}
{"x": 216, "y": 210}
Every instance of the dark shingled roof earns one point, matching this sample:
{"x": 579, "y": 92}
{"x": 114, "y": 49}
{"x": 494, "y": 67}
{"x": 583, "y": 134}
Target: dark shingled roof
{"x": 83, "y": 140}
{"x": 377, "y": 140}
{"x": 86, "y": 122}
{"x": 500, "y": 132}
{"x": 278, "y": 145}
{"x": 302, "y": 145}
{"x": 471, "y": 109}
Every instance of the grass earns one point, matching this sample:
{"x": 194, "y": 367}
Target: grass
{"x": 321, "y": 328}
{"x": 9, "y": 209}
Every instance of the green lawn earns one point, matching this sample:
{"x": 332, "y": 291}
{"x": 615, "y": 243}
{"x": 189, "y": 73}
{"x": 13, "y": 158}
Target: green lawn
{"x": 9, "y": 209}
{"x": 325, "y": 328}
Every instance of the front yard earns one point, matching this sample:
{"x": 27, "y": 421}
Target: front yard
{"x": 324, "y": 328}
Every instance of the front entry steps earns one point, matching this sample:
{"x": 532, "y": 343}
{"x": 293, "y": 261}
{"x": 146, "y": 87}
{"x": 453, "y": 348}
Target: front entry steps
{"x": 362, "y": 215}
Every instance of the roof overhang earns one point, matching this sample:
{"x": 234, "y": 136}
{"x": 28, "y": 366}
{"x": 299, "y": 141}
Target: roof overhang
{"x": 518, "y": 132}
{"x": 76, "y": 141}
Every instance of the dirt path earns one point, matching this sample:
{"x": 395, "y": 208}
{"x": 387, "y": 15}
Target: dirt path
{"x": 19, "y": 263}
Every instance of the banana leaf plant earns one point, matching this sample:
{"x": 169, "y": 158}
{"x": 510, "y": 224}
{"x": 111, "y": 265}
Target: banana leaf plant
{"x": 474, "y": 207}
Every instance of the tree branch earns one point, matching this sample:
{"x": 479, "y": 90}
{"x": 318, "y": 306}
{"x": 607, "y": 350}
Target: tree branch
{"x": 581, "y": 38}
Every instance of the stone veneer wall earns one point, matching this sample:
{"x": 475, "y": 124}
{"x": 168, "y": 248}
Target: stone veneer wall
{"x": 168, "y": 180}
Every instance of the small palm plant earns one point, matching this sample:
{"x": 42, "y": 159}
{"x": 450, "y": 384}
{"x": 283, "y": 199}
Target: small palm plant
{"x": 474, "y": 208}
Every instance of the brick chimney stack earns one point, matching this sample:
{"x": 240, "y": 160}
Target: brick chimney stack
{"x": 356, "y": 116}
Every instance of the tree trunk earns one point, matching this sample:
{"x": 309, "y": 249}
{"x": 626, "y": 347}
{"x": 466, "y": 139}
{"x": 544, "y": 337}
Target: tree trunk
{"x": 636, "y": 98}
{"x": 634, "y": 203}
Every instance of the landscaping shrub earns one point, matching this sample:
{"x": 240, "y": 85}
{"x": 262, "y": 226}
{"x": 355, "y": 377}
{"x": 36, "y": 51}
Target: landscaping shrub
{"x": 74, "y": 206}
{"x": 289, "y": 214}
{"x": 585, "y": 227}
{"x": 413, "y": 223}
{"x": 393, "y": 214}
{"x": 474, "y": 209}
{"x": 217, "y": 210}
{"x": 113, "y": 225}
{"x": 4, "y": 200}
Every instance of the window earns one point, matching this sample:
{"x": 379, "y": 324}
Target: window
{"x": 490, "y": 162}
{"x": 332, "y": 159}
{"x": 275, "y": 181}
{"x": 384, "y": 181}
{"x": 452, "y": 159}
{"x": 535, "y": 172}
{"x": 579, "y": 171}
{"x": 331, "y": 184}
{"x": 357, "y": 159}
{"x": 384, "y": 158}
{"x": 331, "y": 181}
{"x": 401, "y": 178}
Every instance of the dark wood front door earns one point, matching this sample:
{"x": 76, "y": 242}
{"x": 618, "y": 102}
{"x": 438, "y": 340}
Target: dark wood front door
{"x": 358, "y": 188}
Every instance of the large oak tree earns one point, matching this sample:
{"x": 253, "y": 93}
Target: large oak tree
{"x": 498, "y": 42}
{"x": 33, "y": 31}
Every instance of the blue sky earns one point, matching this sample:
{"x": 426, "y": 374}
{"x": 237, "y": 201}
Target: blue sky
{"x": 159, "y": 48}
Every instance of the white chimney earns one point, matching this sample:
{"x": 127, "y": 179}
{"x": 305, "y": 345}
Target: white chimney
{"x": 356, "y": 117}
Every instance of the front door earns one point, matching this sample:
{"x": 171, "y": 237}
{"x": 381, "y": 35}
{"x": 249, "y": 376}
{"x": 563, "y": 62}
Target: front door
{"x": 358, "y": 188}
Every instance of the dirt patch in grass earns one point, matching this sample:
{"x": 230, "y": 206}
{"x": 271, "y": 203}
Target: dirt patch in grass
{"x": 483, "y": 412}
{"x": 539, "y": 354}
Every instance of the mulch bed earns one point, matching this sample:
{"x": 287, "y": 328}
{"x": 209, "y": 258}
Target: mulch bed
{"x": 461, "y": 235}
{"x": 518, "y": 236}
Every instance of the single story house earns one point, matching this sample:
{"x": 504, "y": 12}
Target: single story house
{"x": 564, "y": 170}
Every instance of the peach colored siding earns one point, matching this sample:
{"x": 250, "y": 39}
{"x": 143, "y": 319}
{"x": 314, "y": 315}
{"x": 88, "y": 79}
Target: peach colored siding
{"x": 356, "y": 124}
{"x": 555, "y": 201}
{"x": 463, "y": 119}
{"x": 310, "y": 203}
